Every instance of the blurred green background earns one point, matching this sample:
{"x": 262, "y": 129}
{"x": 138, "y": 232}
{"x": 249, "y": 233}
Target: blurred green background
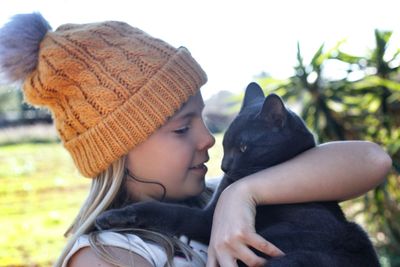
{"x": 41, "y": 191}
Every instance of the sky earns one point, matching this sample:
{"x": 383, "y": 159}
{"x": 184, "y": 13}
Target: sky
{"x": 234, "y": 41}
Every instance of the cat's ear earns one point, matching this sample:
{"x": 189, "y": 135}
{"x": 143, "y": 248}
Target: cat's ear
{"x": 252, "y": 94}
{"x": 274, "y": 111}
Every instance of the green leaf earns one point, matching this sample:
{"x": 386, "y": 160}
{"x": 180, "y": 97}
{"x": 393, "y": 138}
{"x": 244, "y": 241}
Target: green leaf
{"x": 383, "y": 36}
{"x": 348, "y": 58}
{"x": 375, "y": 81}
{"x": 299, "y": 56}
{"x": 395, "y": 55}
{"x": 316, "y": 61}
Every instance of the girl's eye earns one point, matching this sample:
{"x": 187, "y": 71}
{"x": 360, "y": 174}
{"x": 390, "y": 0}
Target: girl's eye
{"x": 182, "y": 130}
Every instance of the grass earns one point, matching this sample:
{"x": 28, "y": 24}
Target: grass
{"x": 40, "y": 194}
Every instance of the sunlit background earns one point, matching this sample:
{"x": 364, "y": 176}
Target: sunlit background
{"x": 235, "y": 42}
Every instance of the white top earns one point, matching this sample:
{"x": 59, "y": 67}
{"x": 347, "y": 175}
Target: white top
{"x": 153, "y": 253}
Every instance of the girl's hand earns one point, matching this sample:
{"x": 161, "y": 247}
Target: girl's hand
{"x": 233, "y": 231}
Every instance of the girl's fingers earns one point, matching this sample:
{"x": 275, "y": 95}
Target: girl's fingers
{"x": 248, "y": 257}
{"x": 256, "y": 241}
{"x": 228, "y": 254}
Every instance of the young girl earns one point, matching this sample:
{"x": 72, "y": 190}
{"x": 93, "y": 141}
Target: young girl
{"x": 127, "y": 107}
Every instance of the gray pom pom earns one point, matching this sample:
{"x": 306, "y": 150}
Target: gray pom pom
{"x": 19, "y": 45}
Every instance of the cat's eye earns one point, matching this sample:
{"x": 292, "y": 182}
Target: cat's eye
{"x": 243, "y": 148}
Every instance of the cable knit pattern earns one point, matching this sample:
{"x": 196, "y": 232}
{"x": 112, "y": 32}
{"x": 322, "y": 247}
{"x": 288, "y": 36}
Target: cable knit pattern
{"x": 109, "y": 86}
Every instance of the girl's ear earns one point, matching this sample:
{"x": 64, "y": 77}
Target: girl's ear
{"x": 274, "y": 111}
{"x": 252, "y": 94}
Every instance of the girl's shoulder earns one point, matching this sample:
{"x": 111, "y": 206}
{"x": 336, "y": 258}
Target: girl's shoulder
{"x": 128, "y": 243}
{"x": 87, "y": 256}
{"x": 131, "y": 247}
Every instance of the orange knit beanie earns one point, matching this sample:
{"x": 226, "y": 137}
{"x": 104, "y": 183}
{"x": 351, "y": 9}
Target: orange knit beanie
{"x": 108, "y": 85}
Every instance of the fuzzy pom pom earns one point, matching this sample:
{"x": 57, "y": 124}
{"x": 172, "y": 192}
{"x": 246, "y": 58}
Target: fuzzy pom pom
{"x": 19, "y": 45}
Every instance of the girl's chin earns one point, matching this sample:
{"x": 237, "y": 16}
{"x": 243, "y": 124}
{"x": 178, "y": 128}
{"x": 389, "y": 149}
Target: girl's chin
{"x": 201, "y": 188}
{"x": 195, "y": 193}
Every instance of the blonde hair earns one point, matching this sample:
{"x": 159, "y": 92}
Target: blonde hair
{"x": 103, "y": 191}
{"x": 107, "y": 190}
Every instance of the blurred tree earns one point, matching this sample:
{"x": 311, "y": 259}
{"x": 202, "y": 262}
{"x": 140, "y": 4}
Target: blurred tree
{"x": 366, "y": 107}
{"x": 9, "y": 104}
{"x": 8, "y": 99}
{"x": 375, "y": 100}
{"x": 13, "y": 111}
{"x": 219, "y": 111}
{"x": 320, "y": 98}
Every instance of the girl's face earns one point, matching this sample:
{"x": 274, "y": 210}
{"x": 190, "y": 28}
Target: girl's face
{"x": 174, "y": 156}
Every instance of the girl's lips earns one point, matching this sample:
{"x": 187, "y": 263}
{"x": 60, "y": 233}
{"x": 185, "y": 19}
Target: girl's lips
{"x": 201, "y": 168}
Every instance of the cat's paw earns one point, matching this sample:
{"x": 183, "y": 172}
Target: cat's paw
{"x": 118, "y": 218}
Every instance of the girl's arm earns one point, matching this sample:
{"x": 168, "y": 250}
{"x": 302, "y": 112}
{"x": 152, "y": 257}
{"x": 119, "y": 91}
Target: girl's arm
{"x": 332, "y": 171}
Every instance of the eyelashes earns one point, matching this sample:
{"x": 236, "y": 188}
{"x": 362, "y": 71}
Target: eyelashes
{"x": 182, "y": 130}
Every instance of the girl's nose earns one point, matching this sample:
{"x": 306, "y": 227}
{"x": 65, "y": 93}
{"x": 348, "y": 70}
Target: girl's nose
{"x": 211, "y": 140}
{"x": 207, "y": 139}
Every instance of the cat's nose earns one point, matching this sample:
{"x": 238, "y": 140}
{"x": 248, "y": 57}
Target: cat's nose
{"x": 225, "y": 165}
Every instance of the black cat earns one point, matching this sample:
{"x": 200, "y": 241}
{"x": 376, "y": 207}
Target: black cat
{"x": 264, "y": 133}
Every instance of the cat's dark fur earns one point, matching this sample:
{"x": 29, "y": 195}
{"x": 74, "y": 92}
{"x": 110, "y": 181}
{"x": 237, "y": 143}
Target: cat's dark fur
{"x": 264, "y": 133}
